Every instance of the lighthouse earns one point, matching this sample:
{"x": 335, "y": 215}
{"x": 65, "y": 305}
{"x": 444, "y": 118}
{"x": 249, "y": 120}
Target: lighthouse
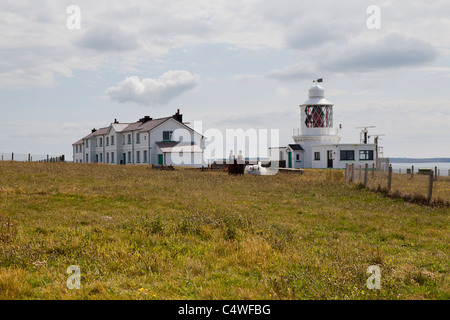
{"x": 317, "y": 141}
{"x": 316, "y": 122}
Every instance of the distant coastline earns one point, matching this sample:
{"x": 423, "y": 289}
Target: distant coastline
{"x": 418, "y": 160}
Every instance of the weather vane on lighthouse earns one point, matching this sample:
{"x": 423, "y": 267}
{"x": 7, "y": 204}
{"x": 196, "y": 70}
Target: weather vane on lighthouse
{"x": 318, "y": 80}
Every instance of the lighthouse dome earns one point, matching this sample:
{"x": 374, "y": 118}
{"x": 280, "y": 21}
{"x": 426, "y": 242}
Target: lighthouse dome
{"x": 316, "y": 92}
{"x": 316, "y": 95}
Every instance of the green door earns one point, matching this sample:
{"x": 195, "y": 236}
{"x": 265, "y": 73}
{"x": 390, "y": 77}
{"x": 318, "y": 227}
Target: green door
{"x": 290, "y": 159}
{"x": 124, "y": 158}
{"x": 160, "y": 159}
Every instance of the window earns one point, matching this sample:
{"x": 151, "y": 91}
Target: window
{"x": 129, "y": 156}
{"x": 347, "y": 155}
{"x": 138, "y": 138}
{"x": 365, "y": 154}
{"x": 107, "y": 141}
{"x": 145, "y": 156}
{"x": 87, "y": 143}
{"x": 167, "y": 135}
{"x": 138, "y": 157}
{"x": 112, "y": 140}
{"x": 297, "y": 157}
{"x": 96, "y": 158}
{"x": 112, "y": 157}
{"x": 107, "y": 157}
{"x": 129, "y": 139}
{"x": 100, "y": 142}
{"x": 316, "y": 155}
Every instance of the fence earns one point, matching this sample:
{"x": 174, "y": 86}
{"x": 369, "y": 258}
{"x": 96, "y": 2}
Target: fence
{"x": 28, "y": 157}
{"x": 426, "y": 186}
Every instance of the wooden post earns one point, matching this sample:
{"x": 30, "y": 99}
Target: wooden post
{"x": 346, "y": 172}
{"x": 412, "y": 172}
{"x": 360, "y": 173}
{"x": 373, "y": 170}
{"x": 389, "y": 179}
{"x": 366, "y": 172}
{"x": 29, "y": 157}
{"x": 435, "y": 173}
{"x": 352, "y": 173}
{"x": 12, "y": 156}
{"x": 430, "y": 187}
{"x": 47, "y": 158}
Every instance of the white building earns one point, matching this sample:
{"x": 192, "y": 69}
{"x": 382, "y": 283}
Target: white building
{"x": 317, "y": 141}
{"x": 163, "y": 141}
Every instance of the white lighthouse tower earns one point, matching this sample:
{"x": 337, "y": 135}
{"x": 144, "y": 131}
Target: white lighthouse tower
{"x": 317, "y": 142}
{"x": 316, "y": 123}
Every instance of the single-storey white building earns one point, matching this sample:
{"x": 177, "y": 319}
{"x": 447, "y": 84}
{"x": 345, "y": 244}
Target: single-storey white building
{"x": 317, "y": 141}
{"x": 163, "y": 141}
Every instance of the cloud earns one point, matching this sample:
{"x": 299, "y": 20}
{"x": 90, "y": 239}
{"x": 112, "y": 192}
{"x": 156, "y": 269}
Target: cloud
{"x": 107, "y": 38}
{"x": 312, "y": 33}
{"x": 302, "y": 70}
{"x": 148, "y": 91}
{"x": 391, "y": 51}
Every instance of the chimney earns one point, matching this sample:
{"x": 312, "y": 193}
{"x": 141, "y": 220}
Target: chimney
{"x": 115, "y": 121}
{"x": 145, "y": 119}
{"x": 93, "y": 130}
{"x": 177, "y": 116}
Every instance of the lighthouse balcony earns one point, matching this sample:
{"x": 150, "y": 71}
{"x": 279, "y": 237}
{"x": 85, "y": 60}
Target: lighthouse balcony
{"x": 314, "y": 132}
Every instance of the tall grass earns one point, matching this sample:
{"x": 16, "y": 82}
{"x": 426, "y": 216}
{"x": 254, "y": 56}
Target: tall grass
{"x": 138, "y": 233}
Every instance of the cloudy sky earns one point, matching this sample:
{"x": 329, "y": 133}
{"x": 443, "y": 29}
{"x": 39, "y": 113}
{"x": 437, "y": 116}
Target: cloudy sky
{"x": 230, "y": 64}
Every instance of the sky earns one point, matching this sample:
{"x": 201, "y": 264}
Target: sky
{"x": 230, "y": 64}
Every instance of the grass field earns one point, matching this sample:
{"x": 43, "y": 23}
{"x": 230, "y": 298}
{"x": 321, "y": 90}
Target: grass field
{"x": 137, "y": 233}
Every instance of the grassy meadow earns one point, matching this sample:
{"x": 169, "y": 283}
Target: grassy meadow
{"x": 138, "y": 233}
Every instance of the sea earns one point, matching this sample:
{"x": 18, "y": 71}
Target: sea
{"x": 443, "y": 167}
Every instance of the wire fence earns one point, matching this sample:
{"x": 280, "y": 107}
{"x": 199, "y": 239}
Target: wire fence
{"x": 424, "y": 186}
{"x": 29, "y": 157}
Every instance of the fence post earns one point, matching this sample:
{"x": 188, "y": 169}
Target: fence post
{"x": 12, "y": 156}
{"x": 373, "y": 170}
{"x": 47, "y": 158}
{"x": 430, "y": 187}
{"x": 346, "y": 172}
{"x": 389, "y": 178}
{"x": 366, "y": 171}
{"x": 435, "y": 173}
{"x": 353, "y": 172}
{"x": 359, "y": 175}
{"x": 29, "y": 157}
{"x": 448, "y": 169}
{"x": 412, "y": 172}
